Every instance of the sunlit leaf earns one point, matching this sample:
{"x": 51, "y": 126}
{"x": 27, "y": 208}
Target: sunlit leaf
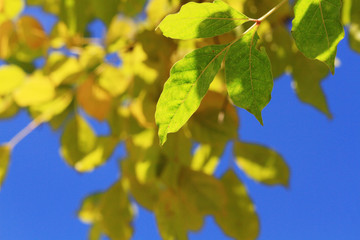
{"x": 248, "y": 75}
{"x": 11, "y": 8}
{"x": 89, "y": 210}
{"x": 113, "y": 80}
{"x": 37, "y": 89}
{"x": 238, "y": 218}
{"x": 317, "y": 29}
{"x": 121, "y": 31}
{"x": 262, "y": 164}
{"x": 206, "y": 158}
{"x": 189, "y": 81}
{"x": 201, "y": 20}
{"x": 8, "y": 108}
{"x": 11, "y": 77}
{"x": 94, "y": 100}
{"x": 56, "y": 106}
{"x": 4, "y": 162}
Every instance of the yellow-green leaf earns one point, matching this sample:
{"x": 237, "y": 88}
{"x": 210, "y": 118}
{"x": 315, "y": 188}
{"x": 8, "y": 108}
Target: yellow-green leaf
{"x": 238, "y": 218}
{"x": 317, "y": 29}
{"x": 201, "y": 20}
{"x": 4, "y": 162}
{"x": 189, "y": 81}
{"x": 11, "y": 77}
{"x": 207, "y": 157}
{"x": 262, "y": 164}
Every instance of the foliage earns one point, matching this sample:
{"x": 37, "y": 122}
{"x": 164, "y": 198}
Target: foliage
{"x": 228, "y": 55}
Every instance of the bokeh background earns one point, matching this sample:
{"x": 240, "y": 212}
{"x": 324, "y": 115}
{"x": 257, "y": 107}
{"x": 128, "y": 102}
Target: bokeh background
{"x": 41, "y": 194}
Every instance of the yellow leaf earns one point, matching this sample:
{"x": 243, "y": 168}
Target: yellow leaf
{"x": 97, "y": 157}
{"x": 62, "y": 69}
{"x": 11, "y": 77}
{"x": 120, "y": 32}
{"x": 206, "y": 158}
{"x": 11, "y": 8}
{"x": 113, "y": 80}
{"x": 36, "y": 90}
{"x": 89, "y": 210}
{"x": 91, "y": 57}
{"x": 7, "y": 107}
{"x": 94, "y": 100}
{"x": 262, "y": 164}
{"x": 4, "y": 162}
{"x": 54, "y": 107}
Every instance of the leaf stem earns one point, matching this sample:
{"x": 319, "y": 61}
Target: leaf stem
{"x": 25, "y": 131}
{"x": 272, "y": 10}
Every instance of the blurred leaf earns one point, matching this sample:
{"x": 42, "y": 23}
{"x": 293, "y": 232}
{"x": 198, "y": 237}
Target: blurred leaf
{"x": 121, "y": 31}
{"x": 131, "y": 7}
{"x": 175, "y": 216}
{"x": 8, "y": 108}
{"x": 94, "y": 100}
{"x": 116, "y": 213}
{"x": 158, "y": 9}
{"x": 201, "y": 20}
{"x": 248, "y": 75}
{"x": 10, "y": 9}
{"x": 31, "y": 32}
{"x": 98, "y": 156}
{"x": 56, "y": 106}
{"x": 89, "y": 210}
{"x": 204, "y": 191}
{"x": 95, "y": 232}
{"x": 11, "y": 77}
{"x": 113, "y": 80}
{"x": 105, "y": 12}
{"x": 36, "y": 90}
{"x": 8, "y": 39}
{"x": 4, "y": 162}
{"x": 216, "y": 120}
{"x": 238, "y": 218}
{"x": 207, "y": 157}
{"x": 308, "y": 75}
{"x": 262, "y": 164}
{"x": 78, "y": 139}
{"x": 317, "y": 29}
{"x": 62, "y": 69}
{"x": 189, "y": 81}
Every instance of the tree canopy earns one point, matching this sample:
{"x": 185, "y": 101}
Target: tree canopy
{"x": 186, "y": 67}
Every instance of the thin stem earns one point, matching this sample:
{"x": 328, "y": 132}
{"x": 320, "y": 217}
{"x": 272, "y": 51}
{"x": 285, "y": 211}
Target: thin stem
{"x": 272, "y": 10}
{"x": 25, "y": 131}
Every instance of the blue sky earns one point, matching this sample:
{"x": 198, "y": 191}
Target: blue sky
{"x": 41, "y": 193}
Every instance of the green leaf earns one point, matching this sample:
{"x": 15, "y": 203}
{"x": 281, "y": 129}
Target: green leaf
{"x": 307, "y": 75}
{"x": 89, "y": 210}
{"x": 116, "y": 213}
{"x": 238, "y": 218}
{"x": 4, "y": 162}
{"x": 189, "y": 81}
{"x": 317, "y": 29}
{"x": 204, "y": 191}
{"x": 11, "y": 77}
{"x": 262, "y": 164}
{"x": 175, "y": 216}
{"x": 77, "y": 140}
{"x": 248, "y": 75}
{"x": 202, "y": 20}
